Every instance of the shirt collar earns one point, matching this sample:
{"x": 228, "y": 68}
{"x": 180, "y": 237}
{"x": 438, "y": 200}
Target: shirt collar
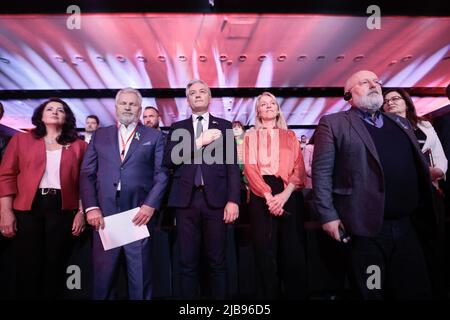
{"x": 376, "y": 120}
{"x": 205, "y": 117}
{"x": 130, "y": 127}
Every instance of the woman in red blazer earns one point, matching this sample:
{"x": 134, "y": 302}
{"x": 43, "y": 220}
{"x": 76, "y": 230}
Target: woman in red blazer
{"x": 39, "y": 197}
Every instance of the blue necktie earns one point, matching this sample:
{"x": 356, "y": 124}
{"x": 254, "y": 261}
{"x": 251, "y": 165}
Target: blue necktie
{"x": 198, "y": 170}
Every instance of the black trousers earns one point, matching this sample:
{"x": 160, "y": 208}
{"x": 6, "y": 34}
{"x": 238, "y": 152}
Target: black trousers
{"x": 196, "y": 224}
{"x": 6, "y": 268}
{"x": 42, "y": 248}
{"x": 397, "y": 254}
{"x": 279, "y": 246}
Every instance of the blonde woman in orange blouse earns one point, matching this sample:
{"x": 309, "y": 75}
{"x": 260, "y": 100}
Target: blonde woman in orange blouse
{"x": 275, "y": 171}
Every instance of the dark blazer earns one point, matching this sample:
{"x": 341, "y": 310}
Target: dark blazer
{"x": 3, "y": 142}
{"x": 23, "y": 166}
{"x": 348, "y": 177}
{"x": 142, "y": 176}
{"x": 221, "y": 180}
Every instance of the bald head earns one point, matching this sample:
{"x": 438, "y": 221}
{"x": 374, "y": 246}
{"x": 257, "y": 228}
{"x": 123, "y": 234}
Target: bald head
{"x": 358, "y": 76}
{"x": 366, "y": 92}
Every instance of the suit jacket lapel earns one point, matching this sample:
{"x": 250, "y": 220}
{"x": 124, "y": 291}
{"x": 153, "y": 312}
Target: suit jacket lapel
{"x": 114, "y": 142}
{"x": 407, "y": 128}
{"x": 189, "y": 125}
{"x": 357, "y": 124}
{"x": 213, "y": 123}
{"x": 135, "y": 142}
{"x": 41, "y": 152}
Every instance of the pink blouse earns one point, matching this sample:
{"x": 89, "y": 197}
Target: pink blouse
{"x": 278, "y": 153}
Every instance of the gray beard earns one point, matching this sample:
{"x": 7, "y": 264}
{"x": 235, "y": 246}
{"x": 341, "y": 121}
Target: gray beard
{"x": 126, "y": 120}
{"x": 369, "y": 103}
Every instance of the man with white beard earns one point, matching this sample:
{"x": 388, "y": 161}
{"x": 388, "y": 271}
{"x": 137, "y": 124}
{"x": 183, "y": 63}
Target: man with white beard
{"x": 372, "y": 191}
{"x": 122, "y": 170}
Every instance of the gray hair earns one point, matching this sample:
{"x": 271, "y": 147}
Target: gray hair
{"x": 129, "y": 90}
{"x": 194, "y": 81}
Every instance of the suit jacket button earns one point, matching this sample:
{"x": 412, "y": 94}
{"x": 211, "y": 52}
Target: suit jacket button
{"x": 115, "y": 184}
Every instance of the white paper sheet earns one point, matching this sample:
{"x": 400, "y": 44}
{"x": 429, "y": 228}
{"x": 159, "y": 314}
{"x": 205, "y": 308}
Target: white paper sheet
{"x": 120, "y": 230}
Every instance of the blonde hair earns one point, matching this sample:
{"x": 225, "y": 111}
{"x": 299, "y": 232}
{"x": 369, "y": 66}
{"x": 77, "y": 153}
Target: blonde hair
{"x": 280, "y": 123}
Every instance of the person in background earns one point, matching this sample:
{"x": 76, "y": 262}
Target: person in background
{"x": 441, "y": 123}
{"x": 239, "y": 132}
{"x": 5, "y": 264}
{"x": 308, "y": 152}
{"x": 398, "y": 101}
{"x": 3, "y": 139}
{"x": 92, "y": 124}
{"x": 151, "y": 117}
{"x": 303, "y": 141}
{"x": 39, "y": 195}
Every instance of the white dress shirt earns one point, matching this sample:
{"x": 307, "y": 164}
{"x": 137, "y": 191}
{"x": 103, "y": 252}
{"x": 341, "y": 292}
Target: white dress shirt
{"x": 205, "y": 122}
{"x": 124, "y": 133}
{"x": 51, "y": 178}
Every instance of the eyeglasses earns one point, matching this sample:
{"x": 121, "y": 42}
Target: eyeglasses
{"x": 393, "y": 99}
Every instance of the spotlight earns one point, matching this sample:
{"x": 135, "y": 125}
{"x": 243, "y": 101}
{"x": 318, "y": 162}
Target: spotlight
{"x": 141, "y": 58}
{"x": 121, "y": 58}
{"x": 60, "y": 59}
{"x": 406, "y": 58}
{"x": 392, "y": 63}
{"x": 282, "y": 57}
{"x": 262, "y": 57}
{"x": 358, "y": 58}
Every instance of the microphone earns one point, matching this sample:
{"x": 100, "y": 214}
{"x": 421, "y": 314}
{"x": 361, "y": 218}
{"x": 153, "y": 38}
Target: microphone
{"x": 345, "y": 238}
{"x": 347, "y": 96}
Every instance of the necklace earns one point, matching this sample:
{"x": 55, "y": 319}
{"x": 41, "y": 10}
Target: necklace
{"x": 50, "y": 141}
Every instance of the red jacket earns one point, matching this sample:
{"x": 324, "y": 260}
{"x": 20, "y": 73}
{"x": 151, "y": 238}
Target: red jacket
{"x": 23, "y": 167}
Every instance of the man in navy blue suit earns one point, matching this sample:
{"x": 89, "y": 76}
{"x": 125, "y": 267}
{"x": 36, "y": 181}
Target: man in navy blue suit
{"x": 122, "y": 169}
{"x": 205, "y": 191}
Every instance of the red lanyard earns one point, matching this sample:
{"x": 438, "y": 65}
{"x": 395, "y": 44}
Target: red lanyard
{"x": 124, "y": 144}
